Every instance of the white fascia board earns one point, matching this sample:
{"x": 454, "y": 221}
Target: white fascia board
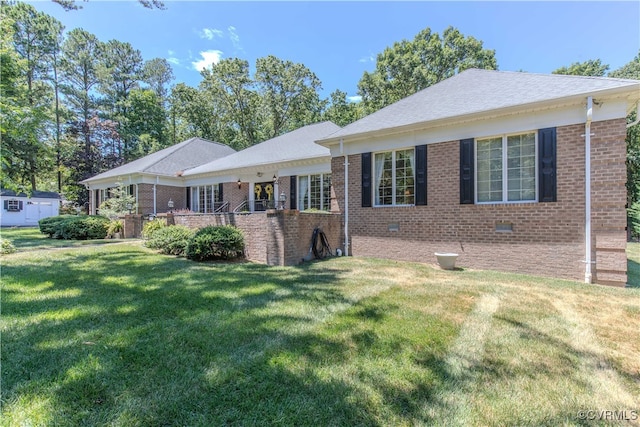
{"x": 604, "y": 109}
{"x": 169, "y": 181}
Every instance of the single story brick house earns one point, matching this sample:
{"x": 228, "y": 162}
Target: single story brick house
{"x": 289, "y": 171}
{"x": 155, "y": 179}
{"x": 21, "y": 209}
{"x": 512, "y": 171}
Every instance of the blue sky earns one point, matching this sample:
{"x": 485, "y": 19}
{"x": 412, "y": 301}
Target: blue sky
{"x": 338, "y": 41}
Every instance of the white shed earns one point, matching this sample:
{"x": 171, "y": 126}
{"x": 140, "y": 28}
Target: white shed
{"x": 18, "y": 209}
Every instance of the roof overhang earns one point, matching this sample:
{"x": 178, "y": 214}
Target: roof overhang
{"x": 623, "y": 93}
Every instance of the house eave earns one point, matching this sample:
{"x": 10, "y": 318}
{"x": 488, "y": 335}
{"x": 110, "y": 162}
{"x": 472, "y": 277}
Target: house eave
{"x": 505, "y": 112}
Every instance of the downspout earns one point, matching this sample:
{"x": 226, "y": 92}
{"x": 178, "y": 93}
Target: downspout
{"x": 155, "y": 211}
{"x": 346, "y": 199}
{"x": 587, "y": 189}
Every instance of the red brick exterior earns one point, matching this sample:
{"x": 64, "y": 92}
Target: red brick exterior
{"x": 164, "y": 193}
{"x": 274, "y": 237}
{"x": 547, "y": 238}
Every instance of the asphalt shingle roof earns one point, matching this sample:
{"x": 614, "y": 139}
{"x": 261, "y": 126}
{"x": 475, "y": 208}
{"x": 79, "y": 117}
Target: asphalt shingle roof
{"x": 295, "y": 145}
{"x": 36, "y": 194}
{"x": 171, "y": 160}
{"x": 476, "y": 91}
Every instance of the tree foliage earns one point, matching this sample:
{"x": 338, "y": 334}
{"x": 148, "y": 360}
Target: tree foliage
{"x": 591, "y": 67}
{"x": 631, "y": 70}
{"x": 412, "y": 65}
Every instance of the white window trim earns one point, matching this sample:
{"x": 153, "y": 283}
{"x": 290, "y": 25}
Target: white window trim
{"x": 308, "y": 179}
{"x": 505, "y": 170}
{"x": 393, "y": 181}
{"x": 195, "y": 198}
{"x": 11, "y": 203}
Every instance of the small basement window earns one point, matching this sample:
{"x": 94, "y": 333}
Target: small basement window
{"x": 504, "y": 227}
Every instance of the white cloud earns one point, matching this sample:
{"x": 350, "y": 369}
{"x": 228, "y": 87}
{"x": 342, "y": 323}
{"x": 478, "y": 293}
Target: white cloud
{"x": 365, "y": 59}
{"x": 209, "y": 58}
{"x": 235, "y": 39}
{"x": 174, "y": 61}
{"x": 210, "y": 33}
{"x": 354, "y": 99}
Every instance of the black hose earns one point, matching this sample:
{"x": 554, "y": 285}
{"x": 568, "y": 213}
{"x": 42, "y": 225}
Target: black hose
{"x": 320, "y": 244}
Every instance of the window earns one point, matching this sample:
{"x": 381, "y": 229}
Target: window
{"x": 314, "y": 192}
{"x": 506, "y": 168}
{"x": 14, "y": 206}
{"x": 394, "y": 177}
{"x": 204, "y": 198}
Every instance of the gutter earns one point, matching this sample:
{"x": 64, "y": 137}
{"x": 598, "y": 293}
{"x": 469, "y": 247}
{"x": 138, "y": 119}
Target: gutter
{"x": 587, "y": 188}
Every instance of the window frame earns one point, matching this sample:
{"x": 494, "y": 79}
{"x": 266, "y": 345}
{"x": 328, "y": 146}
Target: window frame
{"x": 505, "y": 169}
{"x": 13, "y": 205}
{"x": 208, "y": 201}
{"x": 325, "y": 202}
{"x": 394, "y": 178}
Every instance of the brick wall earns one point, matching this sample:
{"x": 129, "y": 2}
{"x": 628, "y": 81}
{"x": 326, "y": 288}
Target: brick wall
{"x": 164, "y": 193}
{"x": 546, "y": 238}
{"x": 274, "y": 237}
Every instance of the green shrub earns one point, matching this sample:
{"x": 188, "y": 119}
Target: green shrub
{"x": 223, "y": 242}
{"x": 49, "y": 225}
{"x": 6, "y": 247}
{"x": 171, "y": 240}
{"x": 82, "y": 228}
{"x": 634, "y": 219}
{"x": 115, "y": 226}
{"x": 152, "y": 226}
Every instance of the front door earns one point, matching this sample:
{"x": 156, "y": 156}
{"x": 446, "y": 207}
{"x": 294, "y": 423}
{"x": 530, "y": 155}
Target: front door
{"x": 263, "y": 192}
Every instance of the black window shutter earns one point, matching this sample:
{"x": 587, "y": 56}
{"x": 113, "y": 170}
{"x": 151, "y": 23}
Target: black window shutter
{"x": 366, "y": 180}
{"x": 6, "y": 205}
{"x": 20, "y": 205}
{"x": 97, "y": 198}
{"x": 466, "y": 172}
{"x": 188, "y": 197}
{"x": 220, "y": 193}
{"x": 421, "y": 175}
{"x": 293, "y": 192}
{"x": 547, "y": 165}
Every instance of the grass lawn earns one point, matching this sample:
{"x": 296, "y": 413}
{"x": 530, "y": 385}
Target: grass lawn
{"x": 118, "y": 335}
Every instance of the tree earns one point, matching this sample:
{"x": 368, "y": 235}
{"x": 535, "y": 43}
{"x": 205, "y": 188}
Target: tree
{"x": 289, "y": 94}
{"x": 342, "y": 112}
{"x": 35, "y": 39}
{"x": 81, "y": 52}
{"x": 631, "y": 70}
{"x": 72, "y": 5}
{"x": 229, "y": 83}
{"x": 145, "y": 117}
{"x": 118, "y": 75}
{"x": 157, "y": 73}
{"x": 192, "y": 114}
{"x": 410, "y": 66}
{"x": 591, "y": 67}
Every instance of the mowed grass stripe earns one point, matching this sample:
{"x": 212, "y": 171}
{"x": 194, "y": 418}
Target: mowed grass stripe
{"x": 462, "y": 363}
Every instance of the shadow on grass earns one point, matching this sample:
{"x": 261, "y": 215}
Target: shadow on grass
{"x": 118, "y": 335}
{"x": 633, "y": 274}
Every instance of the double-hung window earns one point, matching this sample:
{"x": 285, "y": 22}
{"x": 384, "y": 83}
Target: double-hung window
{"x": 314, "y": 192}
{"x": 394, "y": 177}
{"x": 506, "y": 168}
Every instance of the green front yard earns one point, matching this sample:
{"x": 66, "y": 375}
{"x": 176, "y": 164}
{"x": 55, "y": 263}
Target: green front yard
{"x": 118, "y": 335}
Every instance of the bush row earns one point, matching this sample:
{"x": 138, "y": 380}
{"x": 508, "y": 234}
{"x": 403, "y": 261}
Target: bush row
{"x": 72, "y": 227}
{"x": 209, "y": 243}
